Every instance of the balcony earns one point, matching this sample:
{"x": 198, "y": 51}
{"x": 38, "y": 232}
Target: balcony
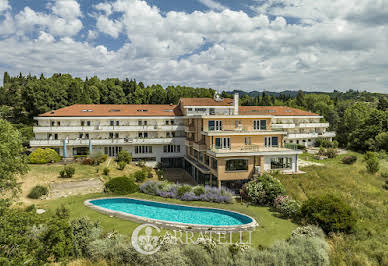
{"x": 252, "y": 150}
{"x": 201, "y": 146}
{"x": 313, "y": 125}
{"x": 328, "y": 134}
{"x": 240, "y": 131}
{"x": 122, "y": 141}
{"x": 109, "y": 128}
{"x": 282, "y": 126}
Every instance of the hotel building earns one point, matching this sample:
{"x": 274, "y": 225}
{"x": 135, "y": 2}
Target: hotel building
{"x": 215, "y": 140}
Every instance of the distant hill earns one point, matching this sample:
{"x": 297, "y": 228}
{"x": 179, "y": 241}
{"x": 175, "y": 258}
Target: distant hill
{"x": 276, "y": 94}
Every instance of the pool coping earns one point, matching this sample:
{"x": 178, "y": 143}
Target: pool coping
{"x": 169, "y": 224}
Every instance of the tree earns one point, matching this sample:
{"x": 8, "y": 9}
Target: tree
{"x": 382, "y": 141}
{"x": 12, "y": 162}
{"x": 372, "y": 162}
{"x": 300, "y": 99}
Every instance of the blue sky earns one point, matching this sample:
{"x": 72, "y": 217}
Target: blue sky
{"x": 224, "y": 44}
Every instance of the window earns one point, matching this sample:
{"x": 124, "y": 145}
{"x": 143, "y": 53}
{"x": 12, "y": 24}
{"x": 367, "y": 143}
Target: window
{"x": 111, "y": 135}
{"x": 140, "y": 134}
{"x": 117, "y": 123}
{"x": 172, "y": 122}
{"x": 236, "y": 165}
{"x": 55, "y": 136}
{"x": 52, "y": 123}
{"x": 88, "y": 123}
{"x": 140, "y": 123}
{"x": 214, "y": 125}
{"x": 260, "y": 124}
{"x": 196, "y": 154}
{"x": 167, "y": 134}
{"x": 222, "y": 143}
{"x": 87, "y": 135}
{"x": 201, "y": 156}
{"x": 167, "y": 122}
{"x": 281, "y": 163}
{"x": 214, "y": 164}
{"x": 145, "y": 134}
{"x": 190, "y": 109}
{"x": 58, "y": 123}
{"x": 207, "y": 159}
{"x": 248, "y": 141}
{"x": 173, "y": 134}
{"x": 145, "y": 123}
{"x": 171, "y": 148}
{"x": 143, "y": 149}
{"x": 237, "y": 123}
{"x": 112, "y": 123}
{"x": 82, "y": 123}
{"x": 49, "y": 136}
{"x": 81, "y": 135}
{"x": 116, "y": 135}
{"x": 271, "y": 141}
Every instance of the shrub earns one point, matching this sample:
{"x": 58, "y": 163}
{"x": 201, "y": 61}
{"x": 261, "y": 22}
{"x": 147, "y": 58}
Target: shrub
{"x": 121, "y": 185}
{"x": 384, "y": 174}
{"x": 37, "y": 192}
{"x": 67, "y": 172}
{"x": 372, "y": 162}
{"x": 88, "y": 161}
{"x": 42, "y": 156}
{"x": 331, "y": 213}
{"x": 84, "y": 231}
{"x": 160, "y": 173}
{"x": 183, "y": 189}
{"x": 139, "y": 175}
{"x": 321, "y": 151}
{"x": 148, "y": 171}
{"x": 326, "y": 143}
{"x": 186, "y": 192}
{"x": 263, "y": 190}
{"x": 198, "y": 190}
{"x": 349, "y": 159}
{"x": 308, "y": 231}
{"x": 385, "y": 186}
{"x": 331, "y": 153}
{"x": 121, "y": 165}
{"x": 106, "y": 171}
{"x": 97, "y": 158}
{"x": 124, "y": 156}
{"x": 286, "y": 206}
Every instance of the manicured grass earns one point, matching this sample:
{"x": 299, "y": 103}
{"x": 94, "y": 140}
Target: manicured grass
{"x": 368, "y": 245}
{"x": 271, "y": 228}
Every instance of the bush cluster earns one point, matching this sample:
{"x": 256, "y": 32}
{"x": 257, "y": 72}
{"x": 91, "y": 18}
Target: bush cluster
{"x": 349, "y": 159}
{"x": 372, "y": 162}
{"x": 121, "y": 185}
{"x": 95, "y": 158}
{"x": 67, "y": 172}
{"x": 121, "y": 165}
{"x": 106, "y": 171}
{"x": 384, "y": 174}
{"x": 330, "y": 212}
{"x": 38, "y": 191}
{"x": 263, "y": 190}
{"x": 140, "y": 175}
{"x": 42, "y": 156}
{"x": 326, "y": 143}
{"x": 286, "y": 206}
{"x": 187, "y": 192}
{"x": 124, "y": 156}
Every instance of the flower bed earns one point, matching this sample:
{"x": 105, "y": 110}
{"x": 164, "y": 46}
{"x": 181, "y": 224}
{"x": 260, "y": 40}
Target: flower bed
{"x": 187, "y": 192}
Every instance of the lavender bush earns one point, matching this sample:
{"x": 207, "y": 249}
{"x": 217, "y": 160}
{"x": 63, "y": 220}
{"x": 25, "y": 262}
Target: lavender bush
{"x": 186, "y": 192}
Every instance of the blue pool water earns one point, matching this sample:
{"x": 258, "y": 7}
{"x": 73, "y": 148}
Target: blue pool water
{"x": 173, "y": 213}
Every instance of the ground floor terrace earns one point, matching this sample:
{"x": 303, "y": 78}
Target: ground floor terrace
{"x": 233, "y": 170}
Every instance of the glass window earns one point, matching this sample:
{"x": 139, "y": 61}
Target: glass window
{"x": 263, "y": 124}
{"x": 207, "y": 159}
{"x": 236, "y": 165}
{"x": 281, "y": 163}
{"x": 112, "y": 123}
{"x": 275, "y": 141}
{"x": 117, "y": 123}
{"x": 214, "y": 164}
{"x": 211, "y": 125}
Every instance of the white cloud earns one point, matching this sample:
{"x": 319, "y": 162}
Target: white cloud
{"x": 106, "y": 7}
{"x": 4, "y": 6}
{"x": 213, "y": 4}
{"x": 339, "y": 45}
{"x": 68, "y": 9}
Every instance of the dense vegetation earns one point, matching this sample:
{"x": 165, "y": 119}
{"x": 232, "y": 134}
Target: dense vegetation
{"x": 121, "y": 185}
{"x": 359, "y": 118}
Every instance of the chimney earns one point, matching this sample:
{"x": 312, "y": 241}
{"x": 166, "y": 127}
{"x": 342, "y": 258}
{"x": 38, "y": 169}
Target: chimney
{"x": 235, "y": 104}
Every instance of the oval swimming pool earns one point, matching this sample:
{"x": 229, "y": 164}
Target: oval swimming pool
{"x": 170, "y": 214}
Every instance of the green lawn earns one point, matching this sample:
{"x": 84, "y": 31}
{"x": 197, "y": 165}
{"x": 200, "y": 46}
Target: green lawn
{"x": 270, "y": 227}
{"x": 368, "y": 245}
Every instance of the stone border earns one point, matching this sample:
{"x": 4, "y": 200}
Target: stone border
{"x": 172, "y": 225}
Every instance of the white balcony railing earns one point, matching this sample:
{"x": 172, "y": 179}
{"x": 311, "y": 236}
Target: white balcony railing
{"x": 109, "y": 128}
{"x": 328, "y": 134}
{"x": 85, "y": 142}
{"x": 313, "y": 125}
{"x": 281, "y": 126}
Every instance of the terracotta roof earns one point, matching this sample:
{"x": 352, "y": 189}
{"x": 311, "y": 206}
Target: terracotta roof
{"x": 273, "y": 110}
{"x": 116, "y": 110}
{"x": 205, "y": 102}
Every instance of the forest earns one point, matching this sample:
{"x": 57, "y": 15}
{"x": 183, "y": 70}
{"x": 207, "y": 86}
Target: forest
{"x": 360, "y": 118}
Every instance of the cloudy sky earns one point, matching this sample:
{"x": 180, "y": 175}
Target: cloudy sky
{"x": 223, "y": 44}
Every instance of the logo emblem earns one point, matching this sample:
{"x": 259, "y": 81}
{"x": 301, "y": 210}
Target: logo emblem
{"x": 144, "y": 241}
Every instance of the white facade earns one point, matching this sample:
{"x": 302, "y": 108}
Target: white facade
{"x": 150, "y": 138}
{"x": 303, "y": 130}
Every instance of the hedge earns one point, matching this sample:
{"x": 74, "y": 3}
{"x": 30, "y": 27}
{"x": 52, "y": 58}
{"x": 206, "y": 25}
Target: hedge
{"x": 42, "y": 156}
{"x": 121, "y": 185}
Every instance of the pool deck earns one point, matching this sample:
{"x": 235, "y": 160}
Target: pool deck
{"x": 173, "y": 225}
